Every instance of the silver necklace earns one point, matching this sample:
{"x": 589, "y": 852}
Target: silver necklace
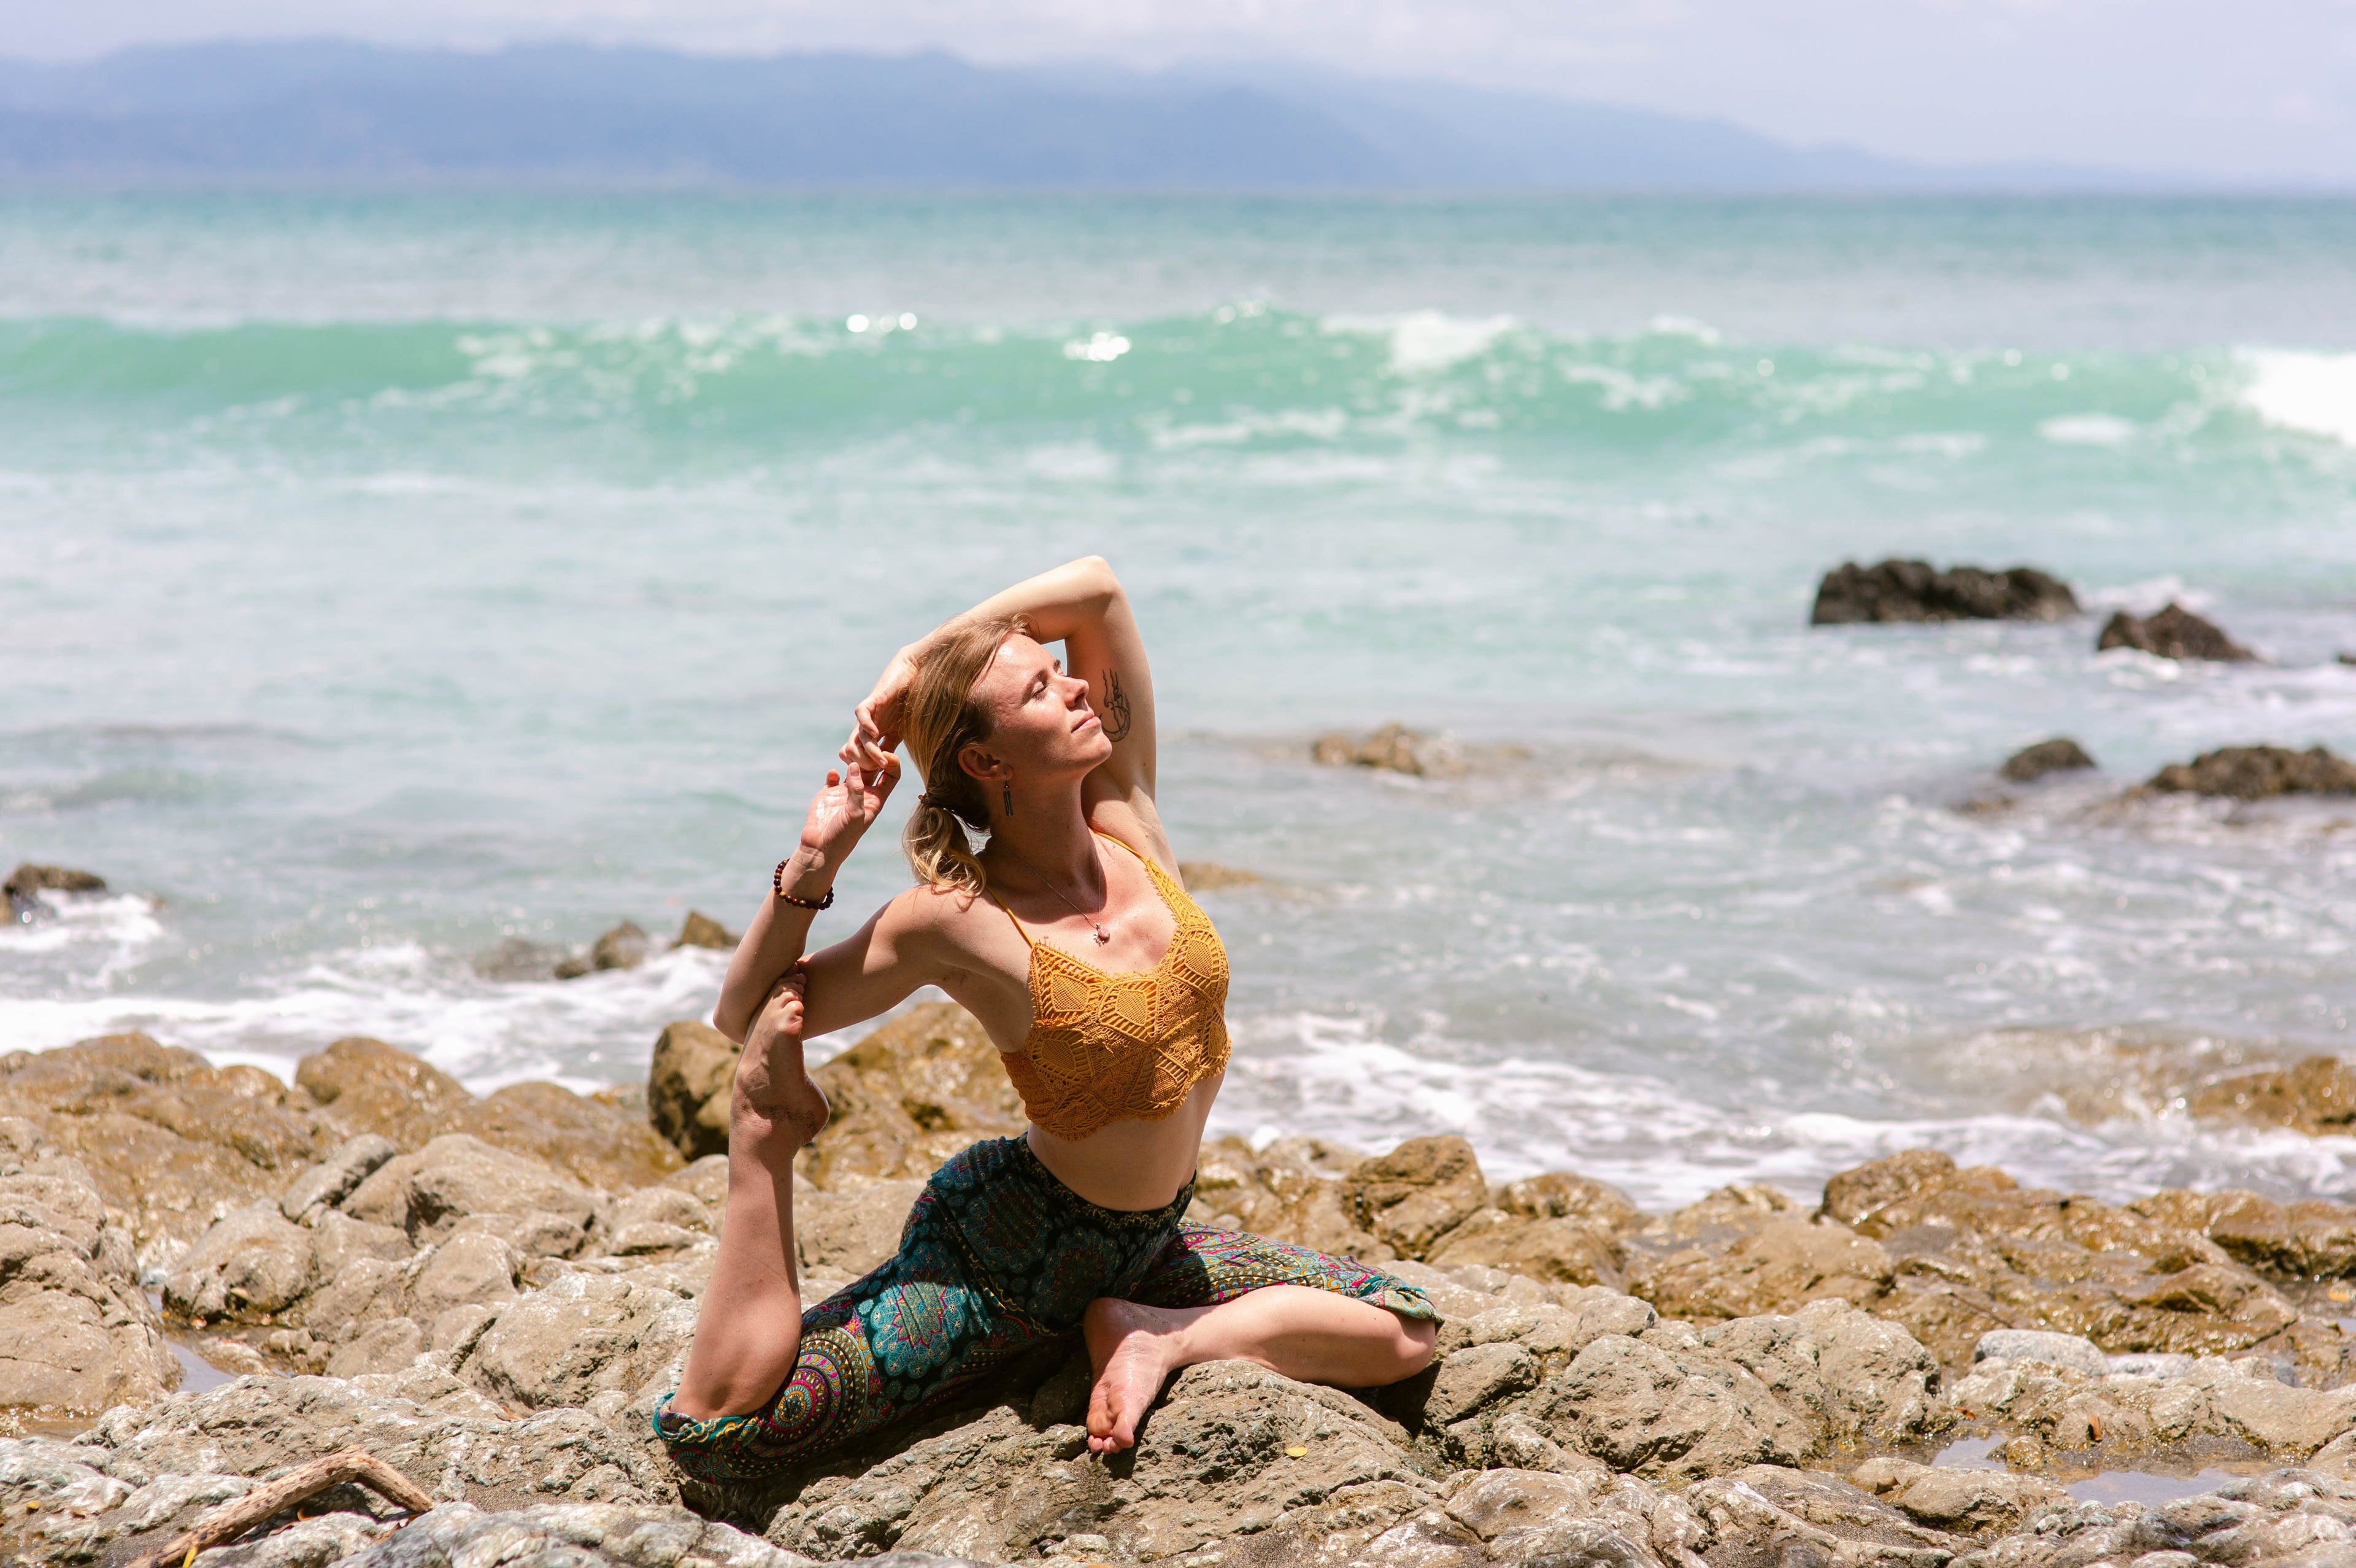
{"x": 1103, "y": 937}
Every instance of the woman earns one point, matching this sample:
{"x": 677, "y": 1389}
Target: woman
{"x": 1070, "y": 938}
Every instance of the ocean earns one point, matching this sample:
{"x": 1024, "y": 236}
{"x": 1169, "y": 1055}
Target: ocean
{"x": 388, "y": 575}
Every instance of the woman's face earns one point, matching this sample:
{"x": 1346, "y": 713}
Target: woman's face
{"x": 1043, "y": 723}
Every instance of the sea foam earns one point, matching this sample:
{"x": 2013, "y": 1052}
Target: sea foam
{"x": 2302, "y": 391}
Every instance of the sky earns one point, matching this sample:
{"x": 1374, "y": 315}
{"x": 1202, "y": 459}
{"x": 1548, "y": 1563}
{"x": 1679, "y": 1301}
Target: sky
{"x": 2253, "y": 90}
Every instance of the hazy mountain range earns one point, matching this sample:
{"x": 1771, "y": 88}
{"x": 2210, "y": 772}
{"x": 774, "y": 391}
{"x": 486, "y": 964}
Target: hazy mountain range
{"x": 316, "y": 113}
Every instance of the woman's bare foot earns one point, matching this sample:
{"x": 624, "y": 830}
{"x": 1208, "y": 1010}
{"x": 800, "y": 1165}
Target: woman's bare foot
{"x": 1133, "y": 1349}
{"x": 775, "y": 1108}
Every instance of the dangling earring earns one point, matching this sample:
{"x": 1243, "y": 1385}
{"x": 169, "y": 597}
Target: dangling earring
{"x": 1006, "y": 794}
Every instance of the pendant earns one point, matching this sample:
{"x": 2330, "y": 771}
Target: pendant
{"x": 1103, "y": 937}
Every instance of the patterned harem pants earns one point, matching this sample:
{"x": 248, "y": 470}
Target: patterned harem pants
{"x": 997, "y": 1257}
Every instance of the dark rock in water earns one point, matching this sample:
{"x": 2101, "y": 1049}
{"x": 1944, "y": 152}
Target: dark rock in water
{"x": 1395, "y": 747}
{"x": 520, "y": 959}
{"x": 28, "y": 879}
{"x": 2348, "y": 658}
{"x": 2060, "y": 754}
{"x": 2175, "y": 632}
{"x": 2318, "y": 1095}
{"x": 699, "y": 930}
{"x": 1897, "y": 591}
{"x": 624, "y": 947}
{"x": 2259, "y": 773}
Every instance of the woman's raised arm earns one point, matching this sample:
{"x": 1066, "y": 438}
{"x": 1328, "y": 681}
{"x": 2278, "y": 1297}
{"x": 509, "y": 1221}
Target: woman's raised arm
{"x": 1082, "y": 605}
{"x": 840, "y": 815}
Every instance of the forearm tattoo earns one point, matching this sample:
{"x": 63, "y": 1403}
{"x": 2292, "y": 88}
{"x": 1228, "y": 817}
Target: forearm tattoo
{"x": 1116, "y": 715}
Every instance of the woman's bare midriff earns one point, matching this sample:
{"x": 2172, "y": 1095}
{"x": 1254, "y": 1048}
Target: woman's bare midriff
{"x": 1131, "y": 1165}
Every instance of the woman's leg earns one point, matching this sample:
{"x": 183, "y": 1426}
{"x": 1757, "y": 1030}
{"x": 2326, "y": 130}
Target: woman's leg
{"x": 750, "y": 1325}
{"x": 1305, "y": 1332}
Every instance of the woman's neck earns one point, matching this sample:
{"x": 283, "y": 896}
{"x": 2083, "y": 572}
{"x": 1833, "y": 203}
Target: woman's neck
{"x": 1049, "y": 838}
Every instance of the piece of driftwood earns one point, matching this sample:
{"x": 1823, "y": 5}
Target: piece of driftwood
{"x": 239, "y": 1515}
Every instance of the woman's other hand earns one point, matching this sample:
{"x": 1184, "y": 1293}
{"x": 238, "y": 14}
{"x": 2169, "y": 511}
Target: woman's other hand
{"x": 844, "y": 808}
{"x": 876, "y": 722}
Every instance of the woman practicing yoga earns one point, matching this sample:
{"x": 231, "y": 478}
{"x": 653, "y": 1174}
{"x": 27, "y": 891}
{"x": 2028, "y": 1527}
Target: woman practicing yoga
{"x": 1104, "y": 988}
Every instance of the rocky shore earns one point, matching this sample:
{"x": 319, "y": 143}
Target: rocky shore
{"x": 491, "y": 1293}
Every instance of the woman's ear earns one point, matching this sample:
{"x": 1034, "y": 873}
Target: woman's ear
{"x": 978, "y": 763}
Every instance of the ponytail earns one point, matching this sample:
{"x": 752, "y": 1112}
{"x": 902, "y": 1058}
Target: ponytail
{"x": 943, "y": 716}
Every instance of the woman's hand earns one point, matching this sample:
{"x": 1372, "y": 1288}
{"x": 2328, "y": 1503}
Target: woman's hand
{"x": 839, "y": 815}
{"x": 876, "y": 721}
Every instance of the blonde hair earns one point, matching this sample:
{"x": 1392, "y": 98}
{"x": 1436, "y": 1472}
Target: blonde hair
{"x": 942, "y": 716}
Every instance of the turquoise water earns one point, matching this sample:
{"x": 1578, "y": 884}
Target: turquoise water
{"x": 386, "y": 576}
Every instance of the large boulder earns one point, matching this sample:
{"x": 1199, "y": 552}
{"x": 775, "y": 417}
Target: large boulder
{"x": 2206, "y": 1403}
{"x": 2257, "y": 772}
{"x": 2175, "y": 632}
{"x": 1598, "y": 1375}
{"x": 77, "y": 1333}
{"x": 1394, "y": 748}
{"x": 2058, "y": 755}
{"x": 583, "y": 1337}
{"x": 172, "y": 1141}
{"x": 366, "y": 1086}
{"x": 2317, "y": 1095}
{"x": 454, "y": 1178}
{"x": 909, "y": 1095}
{"x": 1972, "y": 1252}
{"x": 1419, "y": 1193}
{"x": 687, "y": 1086}
{"x": 1234, "y": 1456}
{"x": 1916, "y": 591}
{"x": 595, "y": 1145}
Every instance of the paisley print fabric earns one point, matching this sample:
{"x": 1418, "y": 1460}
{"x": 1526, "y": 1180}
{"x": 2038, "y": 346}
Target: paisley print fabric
{"x": 998, "y": 1256}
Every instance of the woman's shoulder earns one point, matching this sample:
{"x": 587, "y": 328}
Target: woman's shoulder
{"x": 944, "y": 912}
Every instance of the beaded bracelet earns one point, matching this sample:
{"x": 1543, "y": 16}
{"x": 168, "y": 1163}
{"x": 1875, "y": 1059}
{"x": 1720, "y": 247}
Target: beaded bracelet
{"x": 778, "y": 886}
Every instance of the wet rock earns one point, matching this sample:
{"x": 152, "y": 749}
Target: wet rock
{"x": 28, "y": 879}
{"x": 1972, "y": 1252}
{"x": 1394, "y": 748}
{"x": 2259, "y": 773}
{"x": 426, "y": 1193}
{"x": 518, "y": 959}
{"x": 77, "y": 1333}
{"x": 624, "y": 947}
{"x": 1418, "y": 1193}
{"x": 172, "y": 1141}
{"x": 2317, "y": 1096}
{"x": 595, "y": 1145}
{"x": 699, "y": 930}
{"x": 2240, "y": 1403}
{"x": 687, "y": 1086}
{"x": 2310, "y": 1238}
{"x": 2061, "y": 754}
{"x": 1972, "y": 1502}
{"x": 2175, "y": 632}
{"x": 1897, "y": 591}
{"x": 366, "y": 1086}
{"x": 909, "y": 1095}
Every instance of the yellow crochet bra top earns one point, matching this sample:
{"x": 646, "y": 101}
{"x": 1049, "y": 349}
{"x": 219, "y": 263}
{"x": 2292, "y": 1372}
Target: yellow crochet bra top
{"x": 1122, "y": 1047}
